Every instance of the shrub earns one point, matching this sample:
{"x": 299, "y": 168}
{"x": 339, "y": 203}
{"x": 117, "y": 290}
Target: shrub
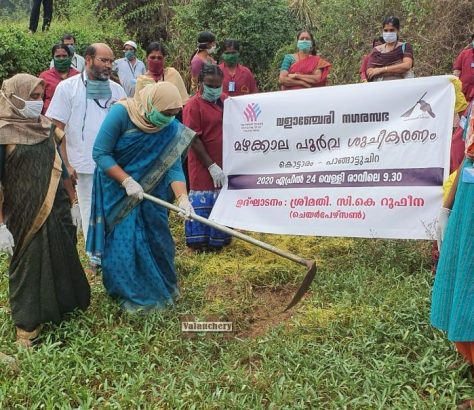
{"x": 262, "y": 26}
{"x": 21, "y": 52}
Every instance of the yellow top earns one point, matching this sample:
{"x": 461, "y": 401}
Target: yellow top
{"x": 171, "y": 75}
{"x": 460, "y": 103}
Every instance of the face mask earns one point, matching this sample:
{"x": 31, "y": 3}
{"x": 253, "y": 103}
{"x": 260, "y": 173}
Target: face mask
{"x": 98, "y": 90}
{"x": 211, "y": 94}
{"x": 304, "y": 45}
{"x": 158, "y": 119}
{"x": 212, "y": 50}
{"x": 231, "y": 58}
{"x": 390, "y": 37}
{"x": 71, "y": 48}
{"x": 155, "y": 67}
{"x": 62, "y": 64}
{"x": 473, "y": 44}
{"x": 130, "y": 54}
{"x": 32, "y": 109}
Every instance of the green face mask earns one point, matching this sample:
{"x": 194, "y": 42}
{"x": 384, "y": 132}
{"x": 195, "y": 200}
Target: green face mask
{"x": 211, "y": 94}
{"x": 129, "y": 54}
{"x": 231, "y": 58}
{"x": 158, "y": 119}
{"x": 62, "y": 64}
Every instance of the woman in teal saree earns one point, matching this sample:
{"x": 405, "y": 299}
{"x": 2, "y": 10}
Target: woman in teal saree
{"x": 138, "y": 149}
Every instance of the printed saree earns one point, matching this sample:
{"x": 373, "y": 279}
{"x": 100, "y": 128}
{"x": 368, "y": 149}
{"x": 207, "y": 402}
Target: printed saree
{"x": 131, "y": 238}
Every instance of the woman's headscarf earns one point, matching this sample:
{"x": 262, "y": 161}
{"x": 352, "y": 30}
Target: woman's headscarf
{"x": 162, "y": 95}
{"x": 14, "y": 128}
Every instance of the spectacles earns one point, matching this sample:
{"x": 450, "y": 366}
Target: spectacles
{"x": 105, "y": 60}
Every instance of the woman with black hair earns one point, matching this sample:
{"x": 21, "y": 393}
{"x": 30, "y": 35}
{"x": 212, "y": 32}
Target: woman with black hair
{"x": 62, "y": 58}
{"x": 155, "y": 61}
{"x": 238, "y": 79}
{"x": 392, "y": 60}
{"x": 204, "y": 114}
{"x": 304, "y": 69}
{"x": 206, "y": 46}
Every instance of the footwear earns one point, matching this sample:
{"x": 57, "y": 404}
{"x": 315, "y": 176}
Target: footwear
{"x": 26, "y": 339}
{"x": 31, "y": 32}
{"x": 466, "y": 404}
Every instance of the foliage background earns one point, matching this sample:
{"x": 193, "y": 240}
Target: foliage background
{"x": 361, "y": 339}
{"x": 344, "y": 29}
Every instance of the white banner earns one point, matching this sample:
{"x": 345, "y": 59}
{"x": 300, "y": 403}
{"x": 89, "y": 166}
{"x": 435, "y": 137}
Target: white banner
{"x": 359, "y": 160}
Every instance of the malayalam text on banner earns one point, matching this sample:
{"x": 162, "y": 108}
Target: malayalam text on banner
{"x": 360, "y": 160}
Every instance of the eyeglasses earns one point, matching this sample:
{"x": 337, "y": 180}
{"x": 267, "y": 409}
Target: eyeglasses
{"x": 105, "y": 60}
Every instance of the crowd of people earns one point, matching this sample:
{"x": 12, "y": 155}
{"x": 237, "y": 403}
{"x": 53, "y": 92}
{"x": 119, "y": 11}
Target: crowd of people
{"x": 93, "y": 133}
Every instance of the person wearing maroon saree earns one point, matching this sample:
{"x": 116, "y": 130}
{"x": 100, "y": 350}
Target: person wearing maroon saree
{"x": 392, "y": 60}
{"x": 238, "y": 79}
{"x": 365, "y": 60}
{"x": 464, "y": 69}
{"x": 304, "y": 69}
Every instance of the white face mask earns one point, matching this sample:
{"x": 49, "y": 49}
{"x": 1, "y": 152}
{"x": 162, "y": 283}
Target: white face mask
{"x": 212, "y": 50}
{"x": 32, "y": 109}
{"x": 389, "y": 37}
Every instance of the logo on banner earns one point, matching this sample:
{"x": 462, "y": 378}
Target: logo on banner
{"x": 421, "y": 109}
{"x": 251, "y": 114}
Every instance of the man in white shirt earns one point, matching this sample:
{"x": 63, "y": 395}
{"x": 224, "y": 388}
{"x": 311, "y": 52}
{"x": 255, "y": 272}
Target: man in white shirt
{"x": 78, "y": 107}
{"x": 129, "y": 68}
{"x": 77, "y": 61}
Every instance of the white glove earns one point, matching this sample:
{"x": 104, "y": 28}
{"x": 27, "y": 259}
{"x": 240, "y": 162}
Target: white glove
{"x": 217, "y": 175}
{"x": 442, "y": 223}
{"x": 76, "y": 215}
{"x": 185, "y": 205}
{"x": 6, "y": 240}
{"x": 133, "y": 188}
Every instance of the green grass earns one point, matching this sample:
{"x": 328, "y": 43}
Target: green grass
{"x": 360, "y": 340}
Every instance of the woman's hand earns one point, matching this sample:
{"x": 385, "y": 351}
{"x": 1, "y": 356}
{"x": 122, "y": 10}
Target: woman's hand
{"x": 76, "y": 215}
{"x": 218, "y": 176}
{"x": 374, "y": 71}
{"x": 185, "y": 205}
{"x": 72, "y": 174}
{"x": 6, "y": 240}
{"x": 133, "y": 188}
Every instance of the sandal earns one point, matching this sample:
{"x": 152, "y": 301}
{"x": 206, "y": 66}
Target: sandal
{"x": 26, "y": 339}
{"x": 466, "y": 404}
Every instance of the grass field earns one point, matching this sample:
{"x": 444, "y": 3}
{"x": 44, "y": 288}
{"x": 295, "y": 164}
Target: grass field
{"x": 360, "y": 339}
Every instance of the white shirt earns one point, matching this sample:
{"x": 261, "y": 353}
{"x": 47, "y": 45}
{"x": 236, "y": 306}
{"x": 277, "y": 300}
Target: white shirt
{"x": 128, "y": 73}
{"x": 82, "y": 117}
{"x": 77, "y": 62}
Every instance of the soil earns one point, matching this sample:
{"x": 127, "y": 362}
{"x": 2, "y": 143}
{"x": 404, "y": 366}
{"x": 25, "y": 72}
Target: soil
{"x": 260, "y": 308}
{"x": 267, "y": 310}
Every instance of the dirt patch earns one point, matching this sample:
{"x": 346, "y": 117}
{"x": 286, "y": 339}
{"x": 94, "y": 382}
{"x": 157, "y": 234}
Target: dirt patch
{"x": 253, "y": 310}
{"x": 267, "y": 311}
